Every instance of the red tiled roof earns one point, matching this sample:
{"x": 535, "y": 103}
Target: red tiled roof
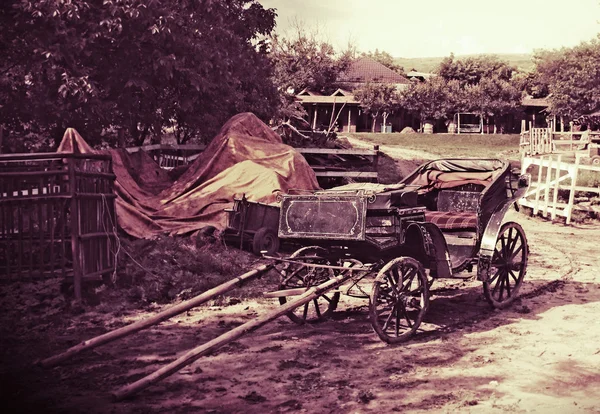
{"x": 529, "y": 101}
{"x": 366, "y": 69}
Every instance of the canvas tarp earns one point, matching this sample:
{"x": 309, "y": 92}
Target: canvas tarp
{"x": 246, "y": 157}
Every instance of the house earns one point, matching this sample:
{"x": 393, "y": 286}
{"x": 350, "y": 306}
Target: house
{"x": 342, "y": 111}
{"x": 535, "y": 111}
{"x": 414, "y": 75}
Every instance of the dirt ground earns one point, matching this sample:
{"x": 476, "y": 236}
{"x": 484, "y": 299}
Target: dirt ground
{"x": 540, "y": 355}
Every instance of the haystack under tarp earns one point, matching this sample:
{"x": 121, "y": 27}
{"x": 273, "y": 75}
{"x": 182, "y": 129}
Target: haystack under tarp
{"x": 246, "y": 157}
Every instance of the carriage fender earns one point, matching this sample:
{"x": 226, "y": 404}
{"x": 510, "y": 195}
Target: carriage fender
{"x": 489, "y": 238}
{"x": 433, "y": 245}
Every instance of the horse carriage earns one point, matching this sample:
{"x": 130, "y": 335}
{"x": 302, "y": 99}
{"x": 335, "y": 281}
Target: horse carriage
{"x": 444, "y": 218}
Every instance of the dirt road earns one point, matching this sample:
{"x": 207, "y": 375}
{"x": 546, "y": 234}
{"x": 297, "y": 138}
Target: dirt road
{"x": 540, "y": 355}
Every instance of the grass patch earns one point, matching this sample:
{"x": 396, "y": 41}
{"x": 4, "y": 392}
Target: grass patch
{"x": 451, "y": 145}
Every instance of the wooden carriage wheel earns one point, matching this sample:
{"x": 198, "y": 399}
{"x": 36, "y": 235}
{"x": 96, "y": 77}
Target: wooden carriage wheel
{"x": 399, "y": 299}
{"x": 300, "y": 276}
{"x": 508, "y": 266}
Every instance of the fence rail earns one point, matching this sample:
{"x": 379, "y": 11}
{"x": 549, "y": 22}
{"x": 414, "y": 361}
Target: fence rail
{"x": 553, "y": 175}
{"x": 539, "y": 141}
{"x": 326, "y": 162}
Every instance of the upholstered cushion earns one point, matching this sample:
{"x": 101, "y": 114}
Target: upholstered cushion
{"x": 447, "y": 220}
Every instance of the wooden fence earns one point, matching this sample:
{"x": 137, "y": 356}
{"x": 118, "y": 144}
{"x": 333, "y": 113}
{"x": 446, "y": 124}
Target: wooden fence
{"x": 539, "y": 141}
{"x": 328, "y": 163}
{"x": 57, "y": 217}
{"x": 553, "y": 175}
{"x": 170, "y": 156}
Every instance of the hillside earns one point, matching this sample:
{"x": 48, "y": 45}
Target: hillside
{"x": 522, "y": 61}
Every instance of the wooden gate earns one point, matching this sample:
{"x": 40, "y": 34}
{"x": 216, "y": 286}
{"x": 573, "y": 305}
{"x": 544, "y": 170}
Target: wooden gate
{"x": 553, "y": 174}
{"x": 57, "y": 217}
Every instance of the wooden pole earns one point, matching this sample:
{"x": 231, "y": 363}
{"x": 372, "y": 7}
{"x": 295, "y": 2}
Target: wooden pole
{"x": 1, "y": 137}
{"x": 349, "y": 118}
{"x": 458, "y": 123}
{"x": 75, "y": 231}
{"x": 228, "y": 337}
{"x": 159, "y": 317}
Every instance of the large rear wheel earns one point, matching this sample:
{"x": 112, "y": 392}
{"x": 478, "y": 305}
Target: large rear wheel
{"x": 508, "y": 266}
{"x": 399, "y": 299}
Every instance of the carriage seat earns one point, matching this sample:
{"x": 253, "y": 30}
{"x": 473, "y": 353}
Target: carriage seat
{"x": 455, "y": 210}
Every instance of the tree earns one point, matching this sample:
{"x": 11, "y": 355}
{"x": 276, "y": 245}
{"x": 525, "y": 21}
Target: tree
{"x": 486, "y": 84}
{"x": 377, "y": 98}
{"x": 303, "y": 60}
{"x": 492, "y": 97}
{"x": 470, "y": 71}
{"x": 385, "y": 59}
{"x": 136, "y": 66}
{"x": 435, "y": 99}
{"x": 572, "y": 77}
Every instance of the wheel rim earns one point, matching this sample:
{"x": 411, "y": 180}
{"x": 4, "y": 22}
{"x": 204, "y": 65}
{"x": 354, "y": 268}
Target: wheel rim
{"x": 299, "y": 276}
{"x": 267, "y": 243}
{"x": 508, "y": 265}
{"x": 399, "y": 300}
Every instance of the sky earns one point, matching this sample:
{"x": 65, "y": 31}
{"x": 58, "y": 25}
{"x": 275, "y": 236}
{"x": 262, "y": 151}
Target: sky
{"x": 435, "y": 28}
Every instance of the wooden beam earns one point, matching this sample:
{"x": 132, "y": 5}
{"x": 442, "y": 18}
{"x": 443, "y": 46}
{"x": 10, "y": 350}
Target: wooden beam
{"x": 336, "y": 151}
{"x": 153, "y": 320}
{"x": 349, "y": 174}
{"x": 192, "y": 355}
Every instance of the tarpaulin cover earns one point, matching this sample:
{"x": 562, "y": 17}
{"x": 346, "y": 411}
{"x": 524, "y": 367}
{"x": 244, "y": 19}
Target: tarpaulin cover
{"x": 246, "y": 157}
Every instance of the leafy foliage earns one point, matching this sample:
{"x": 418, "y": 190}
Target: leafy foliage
{"x": 434, "y": 99}
{"x": 133, "y": 65}
{"x": 572, "y": 77}
{"x": 377, "y": 98}
{"x": 302, "y": 60}
{"x": 471, "y": 70}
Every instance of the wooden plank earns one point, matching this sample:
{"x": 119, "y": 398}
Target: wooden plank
{"x": 555, "y": 193}
{"x": 539, "y": 186}
{"x": 338, "y": 151}
{"x": 547, "y": 186}
{"x": 349, "y": 174}
{"x": 569, "y": 208}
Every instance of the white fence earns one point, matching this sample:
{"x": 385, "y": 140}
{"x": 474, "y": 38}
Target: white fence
{"x": 553, "y": 175}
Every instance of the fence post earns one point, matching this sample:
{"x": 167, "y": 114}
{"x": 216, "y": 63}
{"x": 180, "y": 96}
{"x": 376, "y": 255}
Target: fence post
{"x": 555, "y": 193}
{"x": 75, "y": 248}
{"x": 575, "y": 171}
{"x": 538, "y": 187}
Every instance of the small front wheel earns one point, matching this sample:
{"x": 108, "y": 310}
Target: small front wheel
{"x": 508, "y": 266}
{"x": 302, "y": 275}
{"x": 265, "y": 240}
{"x": 399, "y": 299}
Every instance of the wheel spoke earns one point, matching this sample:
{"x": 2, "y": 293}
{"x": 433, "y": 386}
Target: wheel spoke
{"x": 389, "y": 318}
{"x": 398, "y": 320}
{"x": 405, "y": 312}
{"x": 305, "y": 313}
{"x": 491, "y": 280}
{"x": 516, "y": 279}
{"x": 517, "y": 251}
{"x": 410, "y": 276}
{"x": 316, "y": 302}
{"x": 503, "y": 243}
{"x": 326, "y": 298}
{"x": 507, "y": 285}
{"x": 497, "y": 285}
{"x": 502, "y": 286}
